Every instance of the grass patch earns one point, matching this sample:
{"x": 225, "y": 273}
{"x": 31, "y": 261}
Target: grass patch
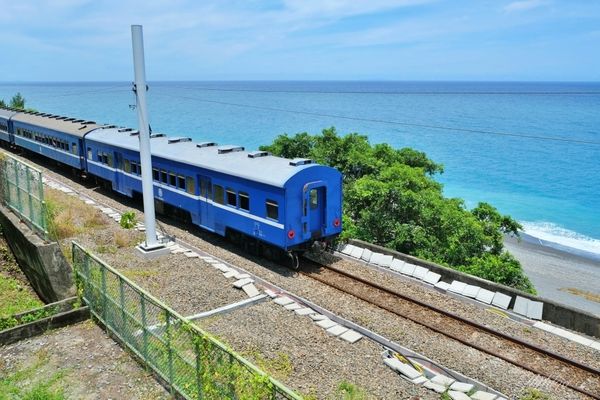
{"x": 15, "y": 294}
{"x": 21, "y": 384}
{"x": 124, "y": 239}
{"x": 15, "y": 298}
{"x": 349, "y": 391}
{"x": 533, "y": 394}
{"x": 69, "y": 216}
{"x": 134, "y": 273}
{"x": 279, "y": 366}
{"x": 583, "y": 293}
{"x": 106, "y": 249}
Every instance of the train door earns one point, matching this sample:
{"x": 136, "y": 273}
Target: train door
{"x": 315, "y": 194}
{"x": 118, "y": 172}
{"x": 207, "y": 218}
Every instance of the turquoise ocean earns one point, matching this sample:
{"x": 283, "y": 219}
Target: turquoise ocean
{"x": 530, "y": 149}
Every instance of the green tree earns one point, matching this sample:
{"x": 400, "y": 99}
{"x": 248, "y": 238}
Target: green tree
{"x": 2, "y": 103}
{"x": 392, "y": 199}
{"x": 17, "y": 102}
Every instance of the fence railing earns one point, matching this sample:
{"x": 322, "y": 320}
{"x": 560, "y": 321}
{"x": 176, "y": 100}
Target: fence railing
{"x": 22, "y": 190}
{"x": 193, "y": 363}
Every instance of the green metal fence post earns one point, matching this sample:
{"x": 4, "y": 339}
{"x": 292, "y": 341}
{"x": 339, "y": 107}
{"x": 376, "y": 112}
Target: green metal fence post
{"x": 104, "y": 295}
{"x": 18, "y": 187}
{"x": 122, "y": 299}
{"x": 28, "y": 174}
{"x": 41, "y": 196}
{"x": 4, "y": 184}
{"x": 198, "y": 367}
{"x": 232, "y": 376}
{"x": 144, "y": 326}
{"x": 169, "y": 349}
{"x": 87, "y": 287}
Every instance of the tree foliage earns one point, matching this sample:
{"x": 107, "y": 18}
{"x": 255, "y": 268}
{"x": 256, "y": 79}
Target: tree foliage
{"x": 392, "y": 199}
{"x": 17, "y": 102}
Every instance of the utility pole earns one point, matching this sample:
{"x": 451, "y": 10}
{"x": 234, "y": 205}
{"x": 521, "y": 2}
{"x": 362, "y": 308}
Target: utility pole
{"x": 140, "y": 88}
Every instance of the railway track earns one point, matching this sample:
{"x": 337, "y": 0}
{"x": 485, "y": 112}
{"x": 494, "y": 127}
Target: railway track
{"x": 576, "y": 376}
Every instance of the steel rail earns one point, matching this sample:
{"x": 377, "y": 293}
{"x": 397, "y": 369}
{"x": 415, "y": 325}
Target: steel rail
{"x": 544, "y": 352}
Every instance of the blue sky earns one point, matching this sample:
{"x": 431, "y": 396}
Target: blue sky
{"x": 89, "y": 40}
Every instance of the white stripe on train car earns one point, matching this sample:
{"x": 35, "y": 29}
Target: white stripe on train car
{"x": 195, "y": 197}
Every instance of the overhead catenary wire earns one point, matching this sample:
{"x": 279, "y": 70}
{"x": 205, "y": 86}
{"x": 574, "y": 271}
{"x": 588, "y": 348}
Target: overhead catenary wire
{"x": 391, "y": 92}
{"x": 390, "y": 122}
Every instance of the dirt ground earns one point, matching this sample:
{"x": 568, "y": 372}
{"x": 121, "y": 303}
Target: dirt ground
{"x": 82, "y": 362}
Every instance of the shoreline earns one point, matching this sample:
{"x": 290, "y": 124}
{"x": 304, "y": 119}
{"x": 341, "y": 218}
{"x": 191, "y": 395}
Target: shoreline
{"x": 553, "y": 271}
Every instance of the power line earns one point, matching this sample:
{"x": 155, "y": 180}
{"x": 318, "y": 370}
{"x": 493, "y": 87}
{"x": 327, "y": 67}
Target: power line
{"x": 111, "y": 89}
{"x": 382, "y": 121}
{"x": 400, "y": 92}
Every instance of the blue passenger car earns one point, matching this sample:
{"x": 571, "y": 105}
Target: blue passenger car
{"x": 286, "y": 203}
{"x": 56, "y": 137}
{"x": 6, "y": 125}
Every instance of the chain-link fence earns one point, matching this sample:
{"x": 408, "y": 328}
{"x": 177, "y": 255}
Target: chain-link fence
{"x": 22, "y": 190}
{"x": 194, "y": 364}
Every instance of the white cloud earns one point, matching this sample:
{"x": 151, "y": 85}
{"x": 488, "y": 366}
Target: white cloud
{"x": 524, "y": 5}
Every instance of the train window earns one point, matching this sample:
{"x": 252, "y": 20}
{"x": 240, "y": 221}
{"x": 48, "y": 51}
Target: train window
{"x": 139, "y": 169}
{"x": 272, "y": 210}
{"x": 218, "y": 190}
{"x": 127, "y": 167}
{"x": 244, "y": 201}
{"x": 73, "y": 147}
{"x": 109, "y": 160}
{"x": 172, "y": 179}
{"x": 231, "y": 197}
{"x": 134, "y": 168}
{"x": 191, "y": 187}
{"x": 181, "y": 182}
{"x": 314, "y": 199}
{"x": 163, "y": 176}
{"x": 155, "y": 174}
{"x": 89, "y": 153}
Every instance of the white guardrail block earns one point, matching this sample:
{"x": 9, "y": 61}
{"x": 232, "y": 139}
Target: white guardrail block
{"x": 397, "y": 265}
{"x": 366, "y": 255}
{"x": 501, "y": 300}
{"x": 404, "y": 369}
{"x": 357, "y": 252}
{"x": 485, "y": 296}
{"x": 420, "y": 272}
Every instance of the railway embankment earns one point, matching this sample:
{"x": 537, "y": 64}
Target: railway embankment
{"x": 301, "y": 354}
{"x": 41, "y": 261}
{"x": 559, "y": 314}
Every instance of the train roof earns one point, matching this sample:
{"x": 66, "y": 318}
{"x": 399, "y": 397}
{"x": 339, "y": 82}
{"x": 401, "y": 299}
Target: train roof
{"x": 6, "y": 113}
{"x": 72, "y": 126}
{"x": 232, "y": 160}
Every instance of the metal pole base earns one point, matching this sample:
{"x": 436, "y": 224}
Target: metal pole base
{"x": 149, "y": 252}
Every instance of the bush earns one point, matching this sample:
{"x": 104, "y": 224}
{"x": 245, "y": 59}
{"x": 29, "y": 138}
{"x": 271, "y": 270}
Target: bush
{"x": 391, "y": 199}
{"x": 128, "y": 220}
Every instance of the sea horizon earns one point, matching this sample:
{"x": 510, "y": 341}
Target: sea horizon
{"x": 540, "y": 182}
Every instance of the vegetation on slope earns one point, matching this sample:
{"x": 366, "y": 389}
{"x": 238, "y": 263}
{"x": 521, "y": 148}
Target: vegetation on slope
{"x": 392, "y": 199}
{"x": 15, "y": 294}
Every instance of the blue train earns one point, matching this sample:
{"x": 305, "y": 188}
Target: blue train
{"x": 269, "y": 205}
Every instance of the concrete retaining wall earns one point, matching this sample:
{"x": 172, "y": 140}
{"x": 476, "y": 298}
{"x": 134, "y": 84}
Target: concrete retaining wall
{"x": 558, "y": 314}
{"x": 43, "y": 263}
